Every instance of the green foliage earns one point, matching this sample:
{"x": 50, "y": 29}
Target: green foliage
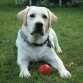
{"x": 43, "y": 3}
{"x": 50, "y": 3}
{"x": 74, "y": 3}
{"x": 69, "y": 29}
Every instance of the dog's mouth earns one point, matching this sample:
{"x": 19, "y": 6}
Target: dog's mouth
{"x": 37, "y": 32}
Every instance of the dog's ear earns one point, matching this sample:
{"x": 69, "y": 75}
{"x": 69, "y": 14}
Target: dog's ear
{"x": 22, "y": 15}
{"x": 52, "y": 18}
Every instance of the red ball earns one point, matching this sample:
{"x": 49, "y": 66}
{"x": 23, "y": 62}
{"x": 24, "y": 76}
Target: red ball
{"x": 45, "y": 69}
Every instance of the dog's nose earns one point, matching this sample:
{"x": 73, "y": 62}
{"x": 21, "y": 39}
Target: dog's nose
{"x": 39, "y": 25}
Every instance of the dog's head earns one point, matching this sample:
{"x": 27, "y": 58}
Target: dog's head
{"x": 36, "y": 19}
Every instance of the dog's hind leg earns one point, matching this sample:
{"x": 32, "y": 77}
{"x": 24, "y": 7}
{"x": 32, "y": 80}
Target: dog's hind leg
{"x": 55, "y": 40}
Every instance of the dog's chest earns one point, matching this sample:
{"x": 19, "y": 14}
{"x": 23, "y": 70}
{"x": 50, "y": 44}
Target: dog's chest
{"x": 36, "y": 53}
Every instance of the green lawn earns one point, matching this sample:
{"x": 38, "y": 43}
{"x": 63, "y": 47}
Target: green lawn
{"x": 69, "y": 29}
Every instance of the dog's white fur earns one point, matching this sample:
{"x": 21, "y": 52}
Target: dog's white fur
{"x": 27, "y": 53}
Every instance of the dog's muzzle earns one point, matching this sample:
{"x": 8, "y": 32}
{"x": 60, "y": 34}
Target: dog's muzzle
{"x": 38, "y": 29}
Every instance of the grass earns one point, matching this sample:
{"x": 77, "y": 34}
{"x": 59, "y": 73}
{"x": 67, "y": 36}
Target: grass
{"x": 69, "y": 29}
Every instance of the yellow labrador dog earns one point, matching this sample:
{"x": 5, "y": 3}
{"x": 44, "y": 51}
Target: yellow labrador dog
{"x": 37, "y": 41}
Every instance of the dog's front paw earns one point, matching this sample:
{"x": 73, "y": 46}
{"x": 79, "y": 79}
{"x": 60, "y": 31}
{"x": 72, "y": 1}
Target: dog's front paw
{"x": 65, "y": 74}
{"x": 24, "y": 73}
{"x": 59, "y": 50}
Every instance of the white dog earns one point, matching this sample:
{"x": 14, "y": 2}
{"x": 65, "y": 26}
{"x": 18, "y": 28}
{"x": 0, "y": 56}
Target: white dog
{"x": 36, "y": 40}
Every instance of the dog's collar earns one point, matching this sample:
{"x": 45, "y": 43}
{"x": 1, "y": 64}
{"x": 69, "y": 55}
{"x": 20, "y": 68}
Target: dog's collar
{"x": 35, "y": 44}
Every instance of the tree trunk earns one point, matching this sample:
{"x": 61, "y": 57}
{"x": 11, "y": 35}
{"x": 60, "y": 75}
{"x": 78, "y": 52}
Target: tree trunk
{"x": 30, "y": 2}
{"x": 60, "y": 3}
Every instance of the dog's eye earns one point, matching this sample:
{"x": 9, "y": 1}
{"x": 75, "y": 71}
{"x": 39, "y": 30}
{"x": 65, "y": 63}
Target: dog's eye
{"x": 44, "y": 16}
{"x": 32, "y": 15}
